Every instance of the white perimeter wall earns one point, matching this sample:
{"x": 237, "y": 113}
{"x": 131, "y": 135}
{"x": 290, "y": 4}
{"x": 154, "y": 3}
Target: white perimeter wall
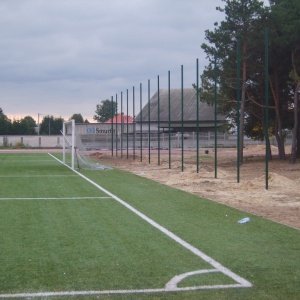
{"x": 43, "y": 141}
{"x": 55, "y": 141}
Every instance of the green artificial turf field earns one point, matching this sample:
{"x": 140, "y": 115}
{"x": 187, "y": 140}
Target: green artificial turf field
{"x": 113, "y": 235}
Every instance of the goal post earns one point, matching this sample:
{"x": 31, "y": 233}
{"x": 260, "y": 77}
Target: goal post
{"x": 68, "y": 132}
{"x": 74, "y": 147}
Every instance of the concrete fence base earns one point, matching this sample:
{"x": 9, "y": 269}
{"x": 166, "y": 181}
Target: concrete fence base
{"x": 31, "y": 141}
{"x": 96, "y": 143}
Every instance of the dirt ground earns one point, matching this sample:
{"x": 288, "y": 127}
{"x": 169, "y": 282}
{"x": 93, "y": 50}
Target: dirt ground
{"x": 280, "y": 202}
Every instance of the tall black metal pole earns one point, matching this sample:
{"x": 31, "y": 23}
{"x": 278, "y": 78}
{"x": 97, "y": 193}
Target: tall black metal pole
{"x": 216, "y": 111}
{"x": 133, "y": 109}
{"x": 197, "y": 112}
{"x": 169, "y": 114}
{"x": 267, "y": 104}
{"x": 149, "y": 137}
{"x": 158, "y": 123}
{"x": 116, "y": 112}
{"x": 141, "y": 125}
{"x": 127, "y": 125}
{"x": 182, "y": 119}
{"x": 122, "y": 124}
{"x": 112, "y": 126}
{"x": 238, "y": 98}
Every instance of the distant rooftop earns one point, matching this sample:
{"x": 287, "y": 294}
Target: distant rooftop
{"x": 206, "y": 111}
{"x": 120, "y": 118}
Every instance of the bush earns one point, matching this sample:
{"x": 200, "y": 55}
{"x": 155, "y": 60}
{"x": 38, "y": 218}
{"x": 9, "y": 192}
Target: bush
{"x": 19, "y": 145}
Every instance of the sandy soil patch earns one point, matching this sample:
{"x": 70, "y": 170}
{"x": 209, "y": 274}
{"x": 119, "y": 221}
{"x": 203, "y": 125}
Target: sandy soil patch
{"x": 281, "y": 202}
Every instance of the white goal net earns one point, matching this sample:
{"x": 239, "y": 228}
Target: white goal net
{"x": 75, "y": 154}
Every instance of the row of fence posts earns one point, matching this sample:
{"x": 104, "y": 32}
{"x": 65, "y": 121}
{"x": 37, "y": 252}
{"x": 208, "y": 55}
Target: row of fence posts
{"x": 158, "y": 120}
{"x": 115, "y": 113}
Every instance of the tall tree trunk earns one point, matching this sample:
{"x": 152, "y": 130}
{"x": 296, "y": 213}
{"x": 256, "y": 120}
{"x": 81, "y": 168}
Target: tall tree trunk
{"x": 267, "y": 141}
{"x": 279, "y": 139}
{"x": 295, "y": 128}
{"x": 269, "y": 150}
{"x": 280, "y": 136}
{"x": 275, "y": 89}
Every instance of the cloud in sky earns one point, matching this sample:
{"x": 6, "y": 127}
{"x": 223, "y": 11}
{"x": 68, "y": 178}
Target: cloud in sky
{"x": 64, "y": 57}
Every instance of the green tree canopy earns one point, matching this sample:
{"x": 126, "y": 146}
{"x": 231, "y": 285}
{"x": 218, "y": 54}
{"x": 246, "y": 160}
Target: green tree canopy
{"x": 105, "y": 111}
{"x": 244, "y": 23}
{"x": 24, "y": 126}
{"x": 78, "y": 118}
{"x": 30, "y": 125}
{"x": 5, "y": 124}
{"x": 285, "y": 26}
{"x": 51, "y": 125}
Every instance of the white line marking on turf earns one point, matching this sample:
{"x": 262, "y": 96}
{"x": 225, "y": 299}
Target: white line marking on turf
{"x": 171, "y": 286}
{"x": 34, "y": 175}
{"x": 243, "y": 282}
{"x": 63, "y": 198}
{"x": 110, "y": 292}
{"x": 26, "y": 160}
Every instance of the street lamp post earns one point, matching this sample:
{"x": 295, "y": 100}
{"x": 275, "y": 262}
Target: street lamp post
{"x": 38, "y": 124}
{"x": 49, "y": 123}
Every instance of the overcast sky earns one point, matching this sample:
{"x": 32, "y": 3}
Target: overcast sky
{"x": 61, "y": 57}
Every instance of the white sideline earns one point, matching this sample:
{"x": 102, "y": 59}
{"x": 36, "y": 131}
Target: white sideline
{"x": 243, "y": 282}
{"x": 38, "y": 176}
{"x": 171, "y": 286}
{"x": 52, "y": 198}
